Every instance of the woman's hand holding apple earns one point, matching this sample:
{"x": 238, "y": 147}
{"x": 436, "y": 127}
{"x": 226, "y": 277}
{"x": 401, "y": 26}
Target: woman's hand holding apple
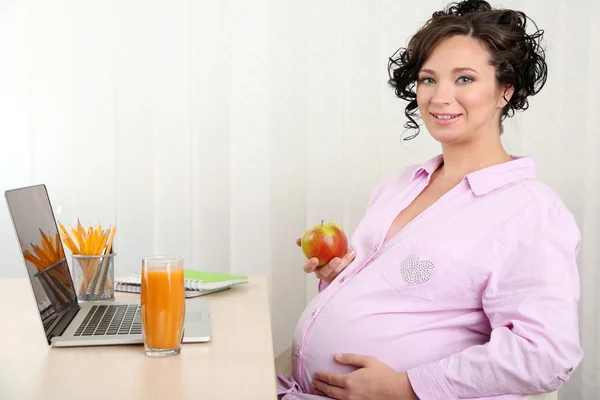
{"x": 326, "y": 249}
{"x": 329, "y": 271}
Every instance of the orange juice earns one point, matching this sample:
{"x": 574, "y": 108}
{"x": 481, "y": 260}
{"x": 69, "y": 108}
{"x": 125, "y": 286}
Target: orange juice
{"x": 162, "y": 307}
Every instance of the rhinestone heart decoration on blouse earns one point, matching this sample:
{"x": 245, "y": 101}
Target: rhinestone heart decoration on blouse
{"x": 416, "y": 271}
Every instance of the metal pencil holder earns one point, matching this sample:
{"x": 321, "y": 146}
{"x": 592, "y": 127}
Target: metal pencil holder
{"x": 93, "y": 277}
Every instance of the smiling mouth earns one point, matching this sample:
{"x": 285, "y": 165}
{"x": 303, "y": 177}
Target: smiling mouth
{"x": 446, "y": 117}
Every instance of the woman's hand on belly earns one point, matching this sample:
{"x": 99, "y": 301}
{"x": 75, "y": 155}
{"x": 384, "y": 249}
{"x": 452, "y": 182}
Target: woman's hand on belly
{"x": 373, "y": 380}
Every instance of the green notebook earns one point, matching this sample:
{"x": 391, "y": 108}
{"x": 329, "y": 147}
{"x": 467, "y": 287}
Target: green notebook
{"x": 199, "y": 280}
{"x": 203, "y": 280}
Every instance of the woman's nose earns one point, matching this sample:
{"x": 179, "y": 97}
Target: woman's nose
{"x": 444, "y": 94}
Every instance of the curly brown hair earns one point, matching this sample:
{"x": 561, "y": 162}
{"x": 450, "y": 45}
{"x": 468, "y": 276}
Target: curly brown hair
{"x": 518, "y": 57}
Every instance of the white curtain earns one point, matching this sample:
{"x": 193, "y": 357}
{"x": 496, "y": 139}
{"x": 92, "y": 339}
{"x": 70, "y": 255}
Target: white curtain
{"x": 221, "y": 130}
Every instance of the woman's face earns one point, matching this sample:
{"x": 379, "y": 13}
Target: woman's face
{"x": 458, "y": 96}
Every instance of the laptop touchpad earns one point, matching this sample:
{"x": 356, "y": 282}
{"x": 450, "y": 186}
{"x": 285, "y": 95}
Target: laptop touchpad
{"x": 193, "y": 316}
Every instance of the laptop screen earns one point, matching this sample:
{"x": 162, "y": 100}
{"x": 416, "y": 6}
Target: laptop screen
{"x": 43, "y": 253}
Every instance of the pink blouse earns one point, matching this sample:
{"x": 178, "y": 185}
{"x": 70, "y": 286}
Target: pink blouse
{"x": 475, "y": 298}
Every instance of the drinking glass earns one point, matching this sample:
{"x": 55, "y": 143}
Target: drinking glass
{"x": 162, "y": 305}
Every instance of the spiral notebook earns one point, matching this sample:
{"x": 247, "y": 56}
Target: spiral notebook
{"x": 197, "y": 283}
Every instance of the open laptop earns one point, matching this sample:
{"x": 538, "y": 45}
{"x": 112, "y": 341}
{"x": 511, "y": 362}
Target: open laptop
{"x": 66, "y": 322}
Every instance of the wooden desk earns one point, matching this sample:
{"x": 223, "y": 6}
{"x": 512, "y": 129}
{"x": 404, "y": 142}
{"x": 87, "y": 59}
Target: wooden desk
{"x": 237, "y": 363}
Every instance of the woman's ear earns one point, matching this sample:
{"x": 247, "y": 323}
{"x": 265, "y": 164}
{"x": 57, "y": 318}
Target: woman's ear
{"x": 505, "y": 95}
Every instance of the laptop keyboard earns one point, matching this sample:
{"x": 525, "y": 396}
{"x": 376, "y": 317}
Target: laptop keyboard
{"x": 111, "y": 320}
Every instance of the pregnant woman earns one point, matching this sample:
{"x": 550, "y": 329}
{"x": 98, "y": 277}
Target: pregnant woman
{"x": 461, "y": 280}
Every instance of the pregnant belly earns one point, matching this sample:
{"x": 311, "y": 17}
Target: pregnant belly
{"x": 401, "y": 341}
{"x": 368, "y": 335}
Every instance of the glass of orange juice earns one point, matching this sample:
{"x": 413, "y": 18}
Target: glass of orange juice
{"x": 162, "y": 305}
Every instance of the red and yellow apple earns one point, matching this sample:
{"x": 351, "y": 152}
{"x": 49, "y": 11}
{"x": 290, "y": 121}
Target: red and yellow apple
{"x": 324, "y": 242}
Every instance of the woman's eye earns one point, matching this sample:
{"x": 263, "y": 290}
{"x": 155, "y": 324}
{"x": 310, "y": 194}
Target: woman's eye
{"x": 426, "y": 80}
{"x": 465, "y": 79}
